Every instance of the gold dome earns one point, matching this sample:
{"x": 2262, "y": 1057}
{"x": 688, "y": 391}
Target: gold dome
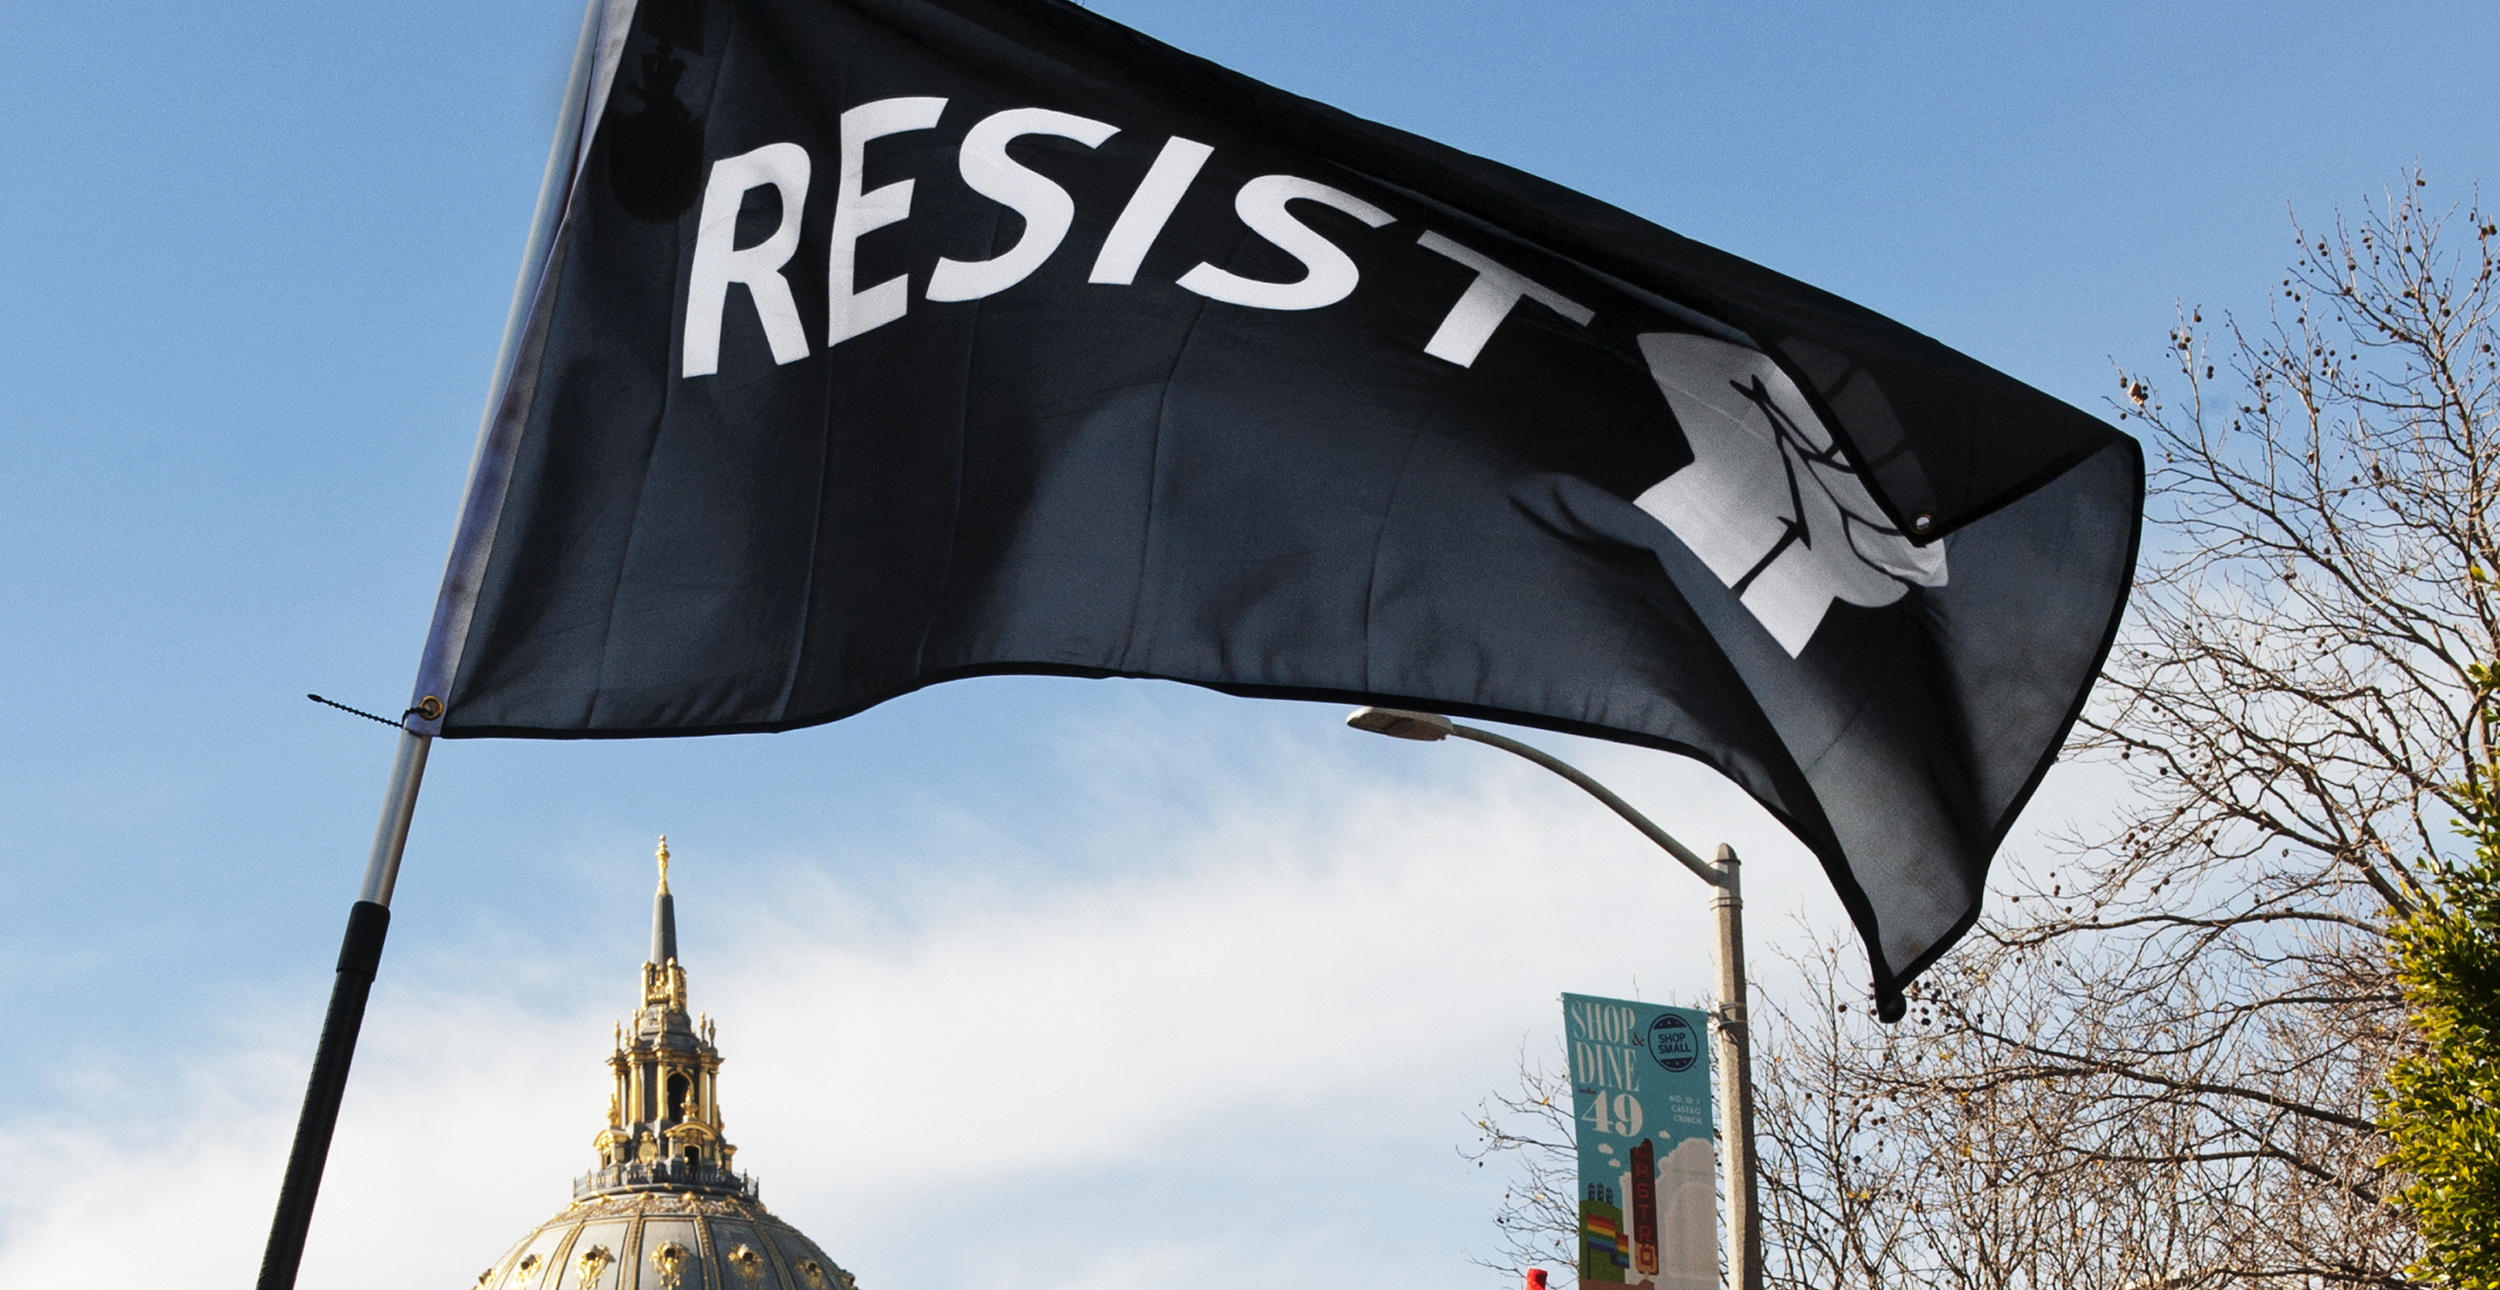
{"x": 661, "y": 1240}
{"x": 663, "y": 1209}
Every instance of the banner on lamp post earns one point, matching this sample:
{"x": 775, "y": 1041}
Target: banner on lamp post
{"x": 1640, "y": 1090}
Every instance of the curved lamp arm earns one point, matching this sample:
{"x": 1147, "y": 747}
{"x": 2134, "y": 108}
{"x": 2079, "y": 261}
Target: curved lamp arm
{"x": 1429, "y": 727}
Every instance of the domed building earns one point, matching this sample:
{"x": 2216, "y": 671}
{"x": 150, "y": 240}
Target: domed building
{"x": 664, "y": 1208}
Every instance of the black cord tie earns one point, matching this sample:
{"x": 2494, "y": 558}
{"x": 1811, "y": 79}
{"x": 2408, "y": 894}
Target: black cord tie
{"x": 333, "y": 703}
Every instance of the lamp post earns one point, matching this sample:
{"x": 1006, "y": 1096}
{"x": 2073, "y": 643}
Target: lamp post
{"x": 1727, "y": 907}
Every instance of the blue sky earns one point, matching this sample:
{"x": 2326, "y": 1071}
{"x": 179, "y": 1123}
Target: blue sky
{"x": 256, "y": 259}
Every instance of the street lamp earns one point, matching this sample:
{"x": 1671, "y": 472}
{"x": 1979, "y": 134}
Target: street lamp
{"x": 1735, "y": 1067}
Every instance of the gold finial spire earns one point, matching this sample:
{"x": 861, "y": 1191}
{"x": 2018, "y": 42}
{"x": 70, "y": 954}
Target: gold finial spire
{"x": 663, "y": 1129}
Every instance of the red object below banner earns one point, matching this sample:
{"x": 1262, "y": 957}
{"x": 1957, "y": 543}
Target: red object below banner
{"x": 1536, "y": 1279}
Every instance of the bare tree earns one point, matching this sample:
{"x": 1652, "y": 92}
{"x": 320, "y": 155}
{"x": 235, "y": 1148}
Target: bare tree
{"x": 1837, "y": 1207}
{"x": 1943, "y": 1153}
{"x": 2168, "y": 1047}
{"x": 2154, "y": 1066}
{"x": 1529, "y": 1130}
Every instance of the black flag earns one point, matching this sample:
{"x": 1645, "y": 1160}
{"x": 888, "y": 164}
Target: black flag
{"x": 874, "y": 343}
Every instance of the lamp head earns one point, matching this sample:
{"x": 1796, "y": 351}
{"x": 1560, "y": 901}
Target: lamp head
{"x": 1397, "y": 723}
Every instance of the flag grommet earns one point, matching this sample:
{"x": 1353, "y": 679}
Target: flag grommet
{"x": 429, "y": 707}
{"x": 1923, "y": 523}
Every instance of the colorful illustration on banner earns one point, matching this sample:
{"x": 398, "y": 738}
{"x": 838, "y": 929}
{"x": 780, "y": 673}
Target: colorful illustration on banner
{"x": 1640, "y": 1090}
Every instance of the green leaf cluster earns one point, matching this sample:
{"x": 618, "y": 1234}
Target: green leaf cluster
{"x": 2441, "y": 1106}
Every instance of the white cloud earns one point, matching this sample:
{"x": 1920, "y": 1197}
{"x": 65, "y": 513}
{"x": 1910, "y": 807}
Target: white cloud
{"x": 1238, "y": 1037}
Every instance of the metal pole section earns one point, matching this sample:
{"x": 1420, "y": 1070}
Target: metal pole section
{"x": 1744, "y": 1195}
{"x": 359, "y": 955}
{"x": 399, "y": 806}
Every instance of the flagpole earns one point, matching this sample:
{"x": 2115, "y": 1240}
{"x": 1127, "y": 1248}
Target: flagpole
{"x": 368, "y": 920}
{"x": 1740, "y": 1168}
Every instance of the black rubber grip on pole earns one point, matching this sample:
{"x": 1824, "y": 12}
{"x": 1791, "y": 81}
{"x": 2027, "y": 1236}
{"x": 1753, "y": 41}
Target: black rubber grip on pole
{"x": 361, "y": 952}
{"x": 359, "y": 955}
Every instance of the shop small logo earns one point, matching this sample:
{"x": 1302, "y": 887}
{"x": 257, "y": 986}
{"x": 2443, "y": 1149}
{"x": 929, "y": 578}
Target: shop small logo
{"x": 1673, "y": 1042}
